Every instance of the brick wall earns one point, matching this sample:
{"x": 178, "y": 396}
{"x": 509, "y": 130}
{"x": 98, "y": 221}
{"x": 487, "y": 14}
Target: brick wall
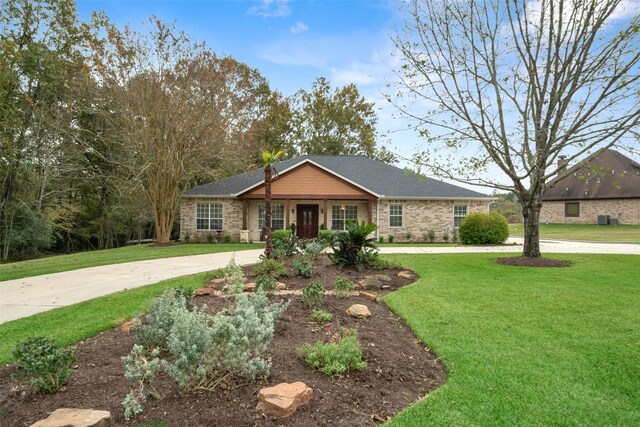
{"x": 231, "y": 218}
{"x": 420, "y": 216}
{"x": 627, "y": 211}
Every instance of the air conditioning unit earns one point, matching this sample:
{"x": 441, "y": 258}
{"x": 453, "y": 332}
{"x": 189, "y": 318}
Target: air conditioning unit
{"x": 603, "y": 219}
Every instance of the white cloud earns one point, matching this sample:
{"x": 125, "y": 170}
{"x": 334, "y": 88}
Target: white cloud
{"x": 299, "y": 27}
{"x": 271, "y": 9}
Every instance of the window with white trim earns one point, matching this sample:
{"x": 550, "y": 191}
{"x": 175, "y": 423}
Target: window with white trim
{"x": 209, "y": 216}
{"x": 459, "y": 213}
{"x": 395, "y": 215}
{"x": 340, "y": 215}
{"x": 277, "y": 217}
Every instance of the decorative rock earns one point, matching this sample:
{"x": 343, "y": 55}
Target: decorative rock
{"x": 369, "y": 296}
{"x": 370, "y": 283}
{"x": 284, "y": 399}
{"x": 126, "y": 326}
{"x": 250, "y": 287}
{"x": 358, "y": 311}
{"x": 202, "y": 292}
{"x": 71, "y": 417}
{"x": 280, "y": 286}
{"x": 383, "y": 277}
{"x": 215, "y": 283}
{"x": 406, "y": 275}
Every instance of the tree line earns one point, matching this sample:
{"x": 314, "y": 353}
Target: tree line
{"x": 102, "y": 128}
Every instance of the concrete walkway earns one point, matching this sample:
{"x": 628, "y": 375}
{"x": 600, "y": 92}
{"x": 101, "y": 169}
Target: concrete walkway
{"x": 24, "y": 297}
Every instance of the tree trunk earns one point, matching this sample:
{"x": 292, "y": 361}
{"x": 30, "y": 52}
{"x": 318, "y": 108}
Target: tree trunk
{"x": 531, "y": 214}
{"x": 268, "y": 251}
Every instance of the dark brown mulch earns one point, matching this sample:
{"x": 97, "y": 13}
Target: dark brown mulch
{"x": 400, "y": 370}
{"x": 521, "y": 261}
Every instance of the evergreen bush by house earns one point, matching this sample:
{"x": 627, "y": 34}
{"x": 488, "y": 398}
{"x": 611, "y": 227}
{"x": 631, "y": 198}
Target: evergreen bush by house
{"x": 479, "y": 228}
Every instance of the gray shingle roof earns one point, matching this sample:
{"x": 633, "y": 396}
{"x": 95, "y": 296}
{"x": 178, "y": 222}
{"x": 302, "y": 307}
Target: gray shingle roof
{"x": 379, "y": 178}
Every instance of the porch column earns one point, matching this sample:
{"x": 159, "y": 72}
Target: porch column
{"x": 325, "y": 214}
{"x": 286, "y": 210}
{"x": 245, "y": 210}
{"x": 369, "y": 211}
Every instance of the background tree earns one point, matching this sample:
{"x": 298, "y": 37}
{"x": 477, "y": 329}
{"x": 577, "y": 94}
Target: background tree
{"x": 515, "y": 84}
{"x": 178, "y": 109}
{"x": 338, "y": 121}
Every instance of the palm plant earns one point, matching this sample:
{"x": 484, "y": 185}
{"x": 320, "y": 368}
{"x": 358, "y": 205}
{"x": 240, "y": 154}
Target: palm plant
{"x": 270, "y": 174}
{"x": 347, "y": 246}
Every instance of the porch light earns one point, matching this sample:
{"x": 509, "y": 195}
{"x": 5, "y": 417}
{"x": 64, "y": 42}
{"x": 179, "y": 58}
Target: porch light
{"x": 342, "y": 207}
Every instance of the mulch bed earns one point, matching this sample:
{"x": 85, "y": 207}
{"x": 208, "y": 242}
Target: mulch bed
{"x": 400, "y": 370}
{"x": 521, "y": 261}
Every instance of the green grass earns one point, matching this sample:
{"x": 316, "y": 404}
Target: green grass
{"x": 420, "y": 245}
{"x": 58, "y": 263}
{"x": 523, "y": 346}
{"x": 77, "y": 322}
{"x": 584, "y": 232}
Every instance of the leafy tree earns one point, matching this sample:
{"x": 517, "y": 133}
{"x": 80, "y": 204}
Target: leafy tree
{"x": 338, "y": 121}
{"x": 268, "y": 159}
{"x": 178, "y": 109}
{"x": 516, "y": 84}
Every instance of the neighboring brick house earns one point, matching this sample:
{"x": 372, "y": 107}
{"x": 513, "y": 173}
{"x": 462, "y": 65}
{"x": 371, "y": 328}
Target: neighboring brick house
{"x": 606, "y": 183}
{"x": 318, "y": 191}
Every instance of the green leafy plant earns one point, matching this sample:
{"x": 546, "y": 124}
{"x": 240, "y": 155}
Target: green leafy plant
{"x": 381, "y": 239}
{"x": 211, "y": 238}
{"x": 408, "y": 236}
{"x": 313, "y": 294}
{"x": 304, "y": 268}
{"x": 343, "y": 287}
{"x": 337, "y": 357}
{"x": 43, "y": 364}
{"x": 445, "y": 235}
{"x": 378, "y": 263}
{"x": 270, "y": 267}
{"x": 325, "y": 237}
{"x": 431, "y": 235}
{"x": 454, "y": 235}
{"x": 479, "y": 228}
{"x": 390, "y": 238}
{"x": 233, "y": 278}
{"x": 140, "y": 369}
{"x": 266, "y": 284}
{"x": 187, "y": 237}
{"x": 228, "y": 239}
{"x": 347, "y": 246}
{"x": 284, "y": 243}
{"x": 321, "y": 316}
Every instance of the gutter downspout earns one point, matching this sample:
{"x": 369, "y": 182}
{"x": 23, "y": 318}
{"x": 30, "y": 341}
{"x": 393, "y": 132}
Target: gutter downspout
{"x": 378, "y": 218}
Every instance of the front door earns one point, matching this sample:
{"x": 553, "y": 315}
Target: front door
{"x": 307, "y": 224}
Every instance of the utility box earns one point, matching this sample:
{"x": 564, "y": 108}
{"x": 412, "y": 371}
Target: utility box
{"x": 603, "y": 219}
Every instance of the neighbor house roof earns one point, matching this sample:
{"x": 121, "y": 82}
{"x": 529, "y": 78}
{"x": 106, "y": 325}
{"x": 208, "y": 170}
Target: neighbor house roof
{"x": 378, "y": 178}
{"x": 606, "y": 174}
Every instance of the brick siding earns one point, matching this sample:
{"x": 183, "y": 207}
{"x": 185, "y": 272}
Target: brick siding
{"x": 627, "y": 211}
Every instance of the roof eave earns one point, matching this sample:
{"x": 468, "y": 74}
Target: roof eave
{"x": 437, "y": 198}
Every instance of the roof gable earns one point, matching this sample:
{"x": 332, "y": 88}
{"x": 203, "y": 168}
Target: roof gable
{"x": 606, "y": 174}
{"x": 372, "y": 176}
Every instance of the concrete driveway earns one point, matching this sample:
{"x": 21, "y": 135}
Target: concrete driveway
{"x": 24, "y": 297}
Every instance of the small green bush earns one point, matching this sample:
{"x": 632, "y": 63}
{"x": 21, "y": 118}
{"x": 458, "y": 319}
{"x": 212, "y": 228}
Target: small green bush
{"x": 335, "y": 358}
{"x": 228, "y": 239}
{"x": 378, "y": 263}
{"x": 381, "y": 239}
{"x": 154, "y": 332}
{"x": 321, "y": 316}
{"x": 445, "y": 236}
{"x": 281, "y": 234}
{"x": 233, "y": 278}
{"x": 42, "y": 363}
{"x": 141, "y": 369}
{"x": 431, "y": 235}
{"x": 284, "y": 243}
{"x": 305, "y": 268}
{"x": 343, "y": 287}
{"x": 325, "y": 237}
{"x": 270, "y": 267}
{"x": 348, "y": 246}
{"x": 480, "y": 228}
{"x": 390, "y": 238}
{"x": 313, "y": 294}
{"x": 211, "y": 238}
{"x": 266, "y": 284}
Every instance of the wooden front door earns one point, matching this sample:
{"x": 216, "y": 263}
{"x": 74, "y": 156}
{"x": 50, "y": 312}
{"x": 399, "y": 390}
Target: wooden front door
{"x": 307, "y": 223}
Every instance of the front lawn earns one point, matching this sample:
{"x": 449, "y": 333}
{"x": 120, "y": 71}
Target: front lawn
{"x": 523, "y": 346}
{"x": 58, "y": 263}
{"x": 584, "y": 232}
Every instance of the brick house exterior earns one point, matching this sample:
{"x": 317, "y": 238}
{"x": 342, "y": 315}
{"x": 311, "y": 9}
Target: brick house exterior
{"x": 316, "y": 192}
{"x": 605, "y": 183}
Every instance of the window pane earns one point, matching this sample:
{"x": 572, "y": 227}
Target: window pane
{"x": 216, "y": 224}
{"x": 572, "y": 209}
{"x": 202, "y": 224}
{"x": 395, "y": 221}
{"x": 395, "y": 215}
{"x": 459, "y": 212}
{"x": 351, "y": 212}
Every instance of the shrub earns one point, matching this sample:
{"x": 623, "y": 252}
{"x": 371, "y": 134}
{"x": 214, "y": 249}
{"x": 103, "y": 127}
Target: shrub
{"x": 227, "y": 347}
{"x": 313, "y": 294}
{"x": 431, "y": 235}
{"x": 270, "y": 267}
{"x": 408, "y": 236}
{"x": 347, "y": 246}
{"x": 211, "y": 238}
{"x": 284, "y": 243}
{"x": 480, "y": 228}
{"x": 454, "y": 235}
{"x": 154, "y": 332}
{"x": 305, "y": 268}
{"x": 325, "y": 237}
{"x": 266, "y": 284}
{"x": 335, "y": 358}
{"x": 281, "y": 234}
{"x": 187, "y": 237}
{"x": 228, "y": 239}
{"x": 140, "y": 368}
{"x": 378, "y": 263}
{"x": 343, "y": 287}
{"x": 42, "y": 363}
{"x": 321, "y": 316}
{"x": 311, "y": 249}
{"x": 445, "y": 236}
{"x": 381, "y": 239}
{"x": 233, "y": 278}
{"x": 390, "y": 238}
